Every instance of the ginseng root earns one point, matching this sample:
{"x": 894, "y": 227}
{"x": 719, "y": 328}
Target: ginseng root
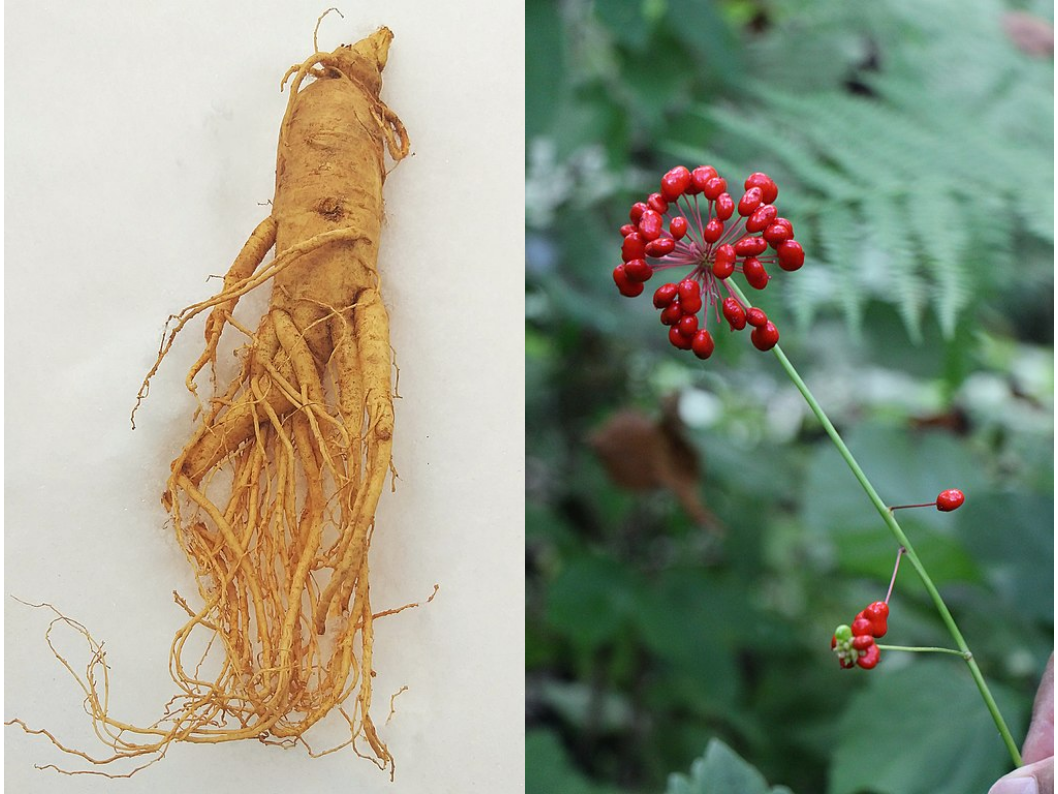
{"x": 273, "y": 498}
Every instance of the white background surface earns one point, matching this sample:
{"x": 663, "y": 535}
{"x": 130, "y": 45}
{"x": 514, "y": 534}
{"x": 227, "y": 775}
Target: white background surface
{"x": 140, "y": 147}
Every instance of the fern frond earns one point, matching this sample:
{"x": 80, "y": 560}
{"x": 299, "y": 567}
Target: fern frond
{"x": 839, "y": 235}
{"x": 939, "y": 228}
{"x": 800, "y": 159}
{"x": 937, "y": 178}
{"x": 901, "y": 282}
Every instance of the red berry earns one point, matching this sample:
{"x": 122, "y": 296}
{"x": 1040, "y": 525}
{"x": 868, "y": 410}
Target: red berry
{"x": 633, "y": 247}
{"x": 678, "y": 227}
{"x": 791, "y": 255}
{"x": 651, "y": 225}
{"x": 664, "y": 295}
{"x": 679, "y": 340}
{"x": 722, "y": 268}
{"x": 626, "y": 286}
{"x": 713, "y": 231}
{"x": 756, "y": 317}
{"x": 749, "y": 202}
{"x": 756, "y": 276}
{"x": 657, "y": 203}
{"x": 692, "y": 305}
{"x": 725, "y": 206}
{"x": 627, "y": 229}
{"x": 688, "y": 324}
{"x": 751, "y": 246}
{"x": 675, "y": 182}
{"x": 638, "y": 270}
{"x": 769, "y": 190}
{"x": 949, "y": 500}
{"x": 672, "y": 313}
{"x": 660, "y": 248}
{"x": 734, "y": 313}
{"x": 861, "y": 625}
{"x": 714, "y": 187}
{"x": 761, "y": 218}
{"x": 702, "y": 344}
{"x": 777, "y": 234}
{"x": 724, "y": 261}
{"x": 765, "y": 338}
{"x": 878, "y": 615}
{"x": 699, "y": 176}
{"x": 637, "y": 211}
{"x": 869, "y": 659}
{"x": 690, "y": 295}
{"x": 688, "y": 289}
{"x": 879, "y": 610}
{"x": 862, "y": 642}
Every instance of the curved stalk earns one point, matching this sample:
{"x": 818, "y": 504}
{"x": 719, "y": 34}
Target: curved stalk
{"x": 901, "y": 538}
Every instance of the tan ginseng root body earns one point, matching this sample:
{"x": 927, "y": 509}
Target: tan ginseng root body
{"x": 273, "y": 498}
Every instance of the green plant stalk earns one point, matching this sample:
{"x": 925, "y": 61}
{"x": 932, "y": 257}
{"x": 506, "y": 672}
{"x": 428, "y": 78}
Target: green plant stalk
{"x": 921, "y": 649}
{"x": 901, "y": 538}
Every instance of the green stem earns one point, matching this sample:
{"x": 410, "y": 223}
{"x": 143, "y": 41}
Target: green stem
{"x": 901, "y": 538}
{"x": 921, "y": 649}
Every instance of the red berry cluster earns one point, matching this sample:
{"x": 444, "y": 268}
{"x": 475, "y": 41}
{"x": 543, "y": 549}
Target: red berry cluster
{"x": 691, "y": 223}
{"x": 854, "y": 645}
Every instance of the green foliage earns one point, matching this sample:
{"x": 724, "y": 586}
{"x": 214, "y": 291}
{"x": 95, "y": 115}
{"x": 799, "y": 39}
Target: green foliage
{"x": 911, "y": 143}
{"x": 841, "y": 518}
{"x": 913, "y": 188}
{"x": 890, "y": 743}
{"x": 1015, "y": 534}
{"x": 721, "y": 771}
{"x": 548, "y": 769}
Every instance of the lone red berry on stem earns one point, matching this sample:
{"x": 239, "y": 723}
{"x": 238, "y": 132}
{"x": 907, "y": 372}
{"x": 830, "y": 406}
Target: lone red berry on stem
{"x": 949, "y": 500}
{"x": 694, "y": 224}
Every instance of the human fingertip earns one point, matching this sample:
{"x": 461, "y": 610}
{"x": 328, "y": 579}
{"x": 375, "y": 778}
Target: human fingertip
{"x": 1015, "y": 785}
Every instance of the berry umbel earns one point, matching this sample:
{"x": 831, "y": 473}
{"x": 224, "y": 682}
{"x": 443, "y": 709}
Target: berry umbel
{"x": 693, "y": 224}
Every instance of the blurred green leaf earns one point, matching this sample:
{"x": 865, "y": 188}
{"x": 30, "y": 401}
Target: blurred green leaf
{"x": 690, "y": 622}
{"x": 548, "y": 769}
{"x": 591, "y": 599}
{"x": 625, "y": 21}
{"x": 904, "y": 468}
{"x": 890, "y": 742}
{"x": 872, "y": 552}
{"x": 1013, "y": 536}
{"x": 721, "y": 771}
{"x": 579, "y": 704}
{"x": 544, "y": 61}
{"x": 590, "y": 116}
{"x": 705, "y": 31}
{"x": 656, "y": 84}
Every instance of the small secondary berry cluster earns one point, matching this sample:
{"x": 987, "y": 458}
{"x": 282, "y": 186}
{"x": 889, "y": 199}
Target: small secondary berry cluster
{"x": 854, "y": 645}
{"x": 690, "y": 222}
